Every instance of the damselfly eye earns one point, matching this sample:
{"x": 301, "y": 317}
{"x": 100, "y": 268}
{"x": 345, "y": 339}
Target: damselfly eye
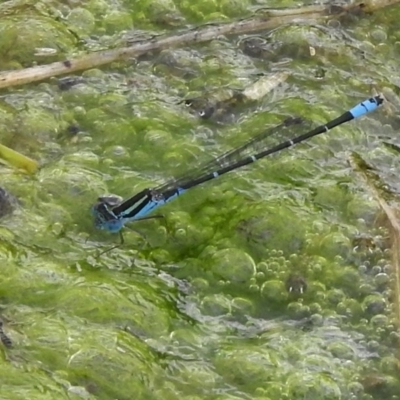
{"x": 111, "y": 200}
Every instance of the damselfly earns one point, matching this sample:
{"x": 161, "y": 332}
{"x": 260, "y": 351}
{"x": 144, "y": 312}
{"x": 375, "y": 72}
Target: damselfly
{"x": 111, "y": 213}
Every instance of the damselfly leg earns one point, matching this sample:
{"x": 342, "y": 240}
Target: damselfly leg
{"x": 122, "y": 240}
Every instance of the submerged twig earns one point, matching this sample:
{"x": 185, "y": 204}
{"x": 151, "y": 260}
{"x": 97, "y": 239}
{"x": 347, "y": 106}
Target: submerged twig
{"x": 264, "y": 85}
{"x": 392, "y": 213}
{"x": 266, "y": 19}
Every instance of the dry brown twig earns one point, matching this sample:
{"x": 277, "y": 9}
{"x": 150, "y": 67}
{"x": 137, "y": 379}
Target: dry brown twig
{"x": 265, "y": 19}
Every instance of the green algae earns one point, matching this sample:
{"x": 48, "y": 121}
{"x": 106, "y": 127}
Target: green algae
{"x": 20, "y": 37}
{"x": 194, "y": 305}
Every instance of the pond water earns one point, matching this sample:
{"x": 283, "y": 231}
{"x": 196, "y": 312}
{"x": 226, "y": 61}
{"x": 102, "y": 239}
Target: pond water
{"x": 272, "y": 282}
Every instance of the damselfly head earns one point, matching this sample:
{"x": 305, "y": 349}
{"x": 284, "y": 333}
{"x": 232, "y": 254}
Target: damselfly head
{"x": 101, "y": 213}
{"x": 104, "y": 218}
{"x": 102, "y": 210}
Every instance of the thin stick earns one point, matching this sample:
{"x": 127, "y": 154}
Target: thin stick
{"x": 268, "y": 19}
{"x": 392, "y": 215}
